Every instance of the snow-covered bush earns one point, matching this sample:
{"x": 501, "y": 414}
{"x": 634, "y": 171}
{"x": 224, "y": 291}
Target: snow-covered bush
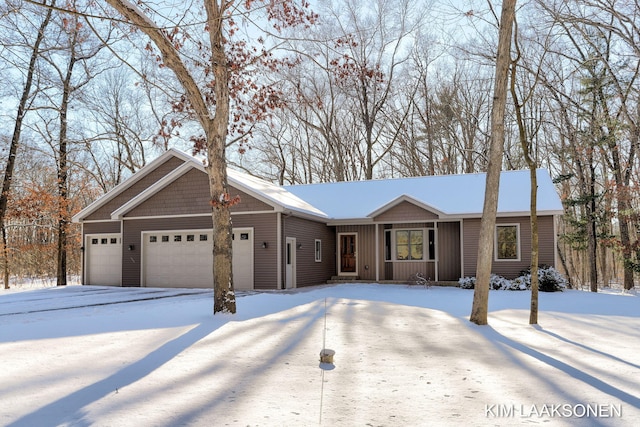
{"x": 467, "y": 282}
{"x": 549, "y": 280}
{"x": 495, "y": 282}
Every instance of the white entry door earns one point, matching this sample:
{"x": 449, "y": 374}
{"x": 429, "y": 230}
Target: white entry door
{"x": 290, "y": 263}
{"x": 242, "y": 258}
{"x": 103, "y": 259}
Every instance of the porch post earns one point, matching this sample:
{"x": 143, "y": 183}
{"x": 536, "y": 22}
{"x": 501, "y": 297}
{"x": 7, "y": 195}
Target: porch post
{"x": 377, "y": 254}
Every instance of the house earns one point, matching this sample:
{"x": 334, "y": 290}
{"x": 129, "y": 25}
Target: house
{"x": 154, "y": 229}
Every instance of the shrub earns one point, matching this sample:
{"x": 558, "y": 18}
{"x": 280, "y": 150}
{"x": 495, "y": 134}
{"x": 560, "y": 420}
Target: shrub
{"x": 467, "y": 282}
{"x": 549, "y": 280}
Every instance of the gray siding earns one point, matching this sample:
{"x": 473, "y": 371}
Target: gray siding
{"x": 366, "y": 249}
{"x": 265, "y": 270}
{"x": 405, "y": 211}
{"x": 510, "y": 269}
{"x": 104, "y": 212}
{"x": 189, "y": 194}
{"x": 308, "y": 271}
{"x": 100, "y": 227}
{"x": 264, "y": 230}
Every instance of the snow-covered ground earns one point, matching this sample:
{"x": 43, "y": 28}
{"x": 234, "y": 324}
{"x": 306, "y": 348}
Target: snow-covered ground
{"x": 80, "y": 356}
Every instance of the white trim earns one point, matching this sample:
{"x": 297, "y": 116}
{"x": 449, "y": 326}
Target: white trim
{"x": 127, "y": 183}
{"x": 339, "y": 254}
{"x": 131, "y": 218}
{"x": 279, "y": 283}
{"x": 293, "y": 258}
{"x": 405, "y": 198}
{"x": 317, "y": 250}
{"x": 86, "y": 244}
{"x": 377, "y": 240}
{"x": 495, "y": 242}
{"x": 425, "y": 247}
{"x": 151, "y": 190}
{"x": 461, "y": 248}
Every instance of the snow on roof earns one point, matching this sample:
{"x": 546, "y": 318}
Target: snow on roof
{"x": 275, "y": 193}
{"x": 452, "y": 195}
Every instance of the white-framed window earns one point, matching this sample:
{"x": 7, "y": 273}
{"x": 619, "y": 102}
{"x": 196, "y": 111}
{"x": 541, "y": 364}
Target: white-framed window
{"x": 410, "y": 244}
{"x": 507, "y": 242}
{"x": 318, "y": 250}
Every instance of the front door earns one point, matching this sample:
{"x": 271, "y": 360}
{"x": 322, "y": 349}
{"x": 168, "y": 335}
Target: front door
{"x": 290, "y": 263}
{"x": 348, "y": 260}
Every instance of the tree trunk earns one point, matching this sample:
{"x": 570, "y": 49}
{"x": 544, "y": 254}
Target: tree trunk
{"x": 63, "y": 204}
{"x": 216, "y": 133}
{"x": 480, "y": 307}
{"x": 15, "y": 141}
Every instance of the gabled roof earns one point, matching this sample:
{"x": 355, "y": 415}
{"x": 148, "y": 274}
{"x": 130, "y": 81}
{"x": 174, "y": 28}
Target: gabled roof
{"x": 453, "y": 196}
{"x": 447, "y": 196}
{"x": 269, "y": 193}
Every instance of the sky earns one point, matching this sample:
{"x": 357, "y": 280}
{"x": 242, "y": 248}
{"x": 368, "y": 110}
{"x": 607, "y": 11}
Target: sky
{"x": 100, "y": 356}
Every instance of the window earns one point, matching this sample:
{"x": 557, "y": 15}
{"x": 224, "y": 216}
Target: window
{"x": 190, "y": 238}
{"x": 165, "y": 239}
{"x": 507, "y": 242}
{"x": 114, "y": 240}
{"x": 153, "y": 239}
{"x": 103, "y": 241}
{"x": 177, "y": 238}
{"x": 387, "y": 245}
{"x": 318, "y": 250}
{"x": 94, "y": 241}
{"x": 203, "y": 237}
{"x": 409, "y": 245}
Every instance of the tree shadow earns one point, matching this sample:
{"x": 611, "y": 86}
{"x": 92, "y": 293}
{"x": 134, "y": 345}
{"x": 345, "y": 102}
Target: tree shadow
{"x": 68, "y": 409}
{"x": 496, "y": 337}
{"x": 585, "y": 347}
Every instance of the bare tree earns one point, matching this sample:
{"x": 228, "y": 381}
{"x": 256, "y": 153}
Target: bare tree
{"x": 220, "y": 63}
{"x": 17, "y": 130}
{"x": 480, "y": 308}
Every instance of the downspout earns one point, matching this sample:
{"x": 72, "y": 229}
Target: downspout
{"x": 377, "y": 253}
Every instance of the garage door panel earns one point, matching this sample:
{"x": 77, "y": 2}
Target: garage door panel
{"x": 103, "y": 254}
{"x": 185, "y": 259}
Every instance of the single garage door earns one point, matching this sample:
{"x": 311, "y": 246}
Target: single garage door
{"x": 185, "y": 259}
{"x": 103, "y": 259}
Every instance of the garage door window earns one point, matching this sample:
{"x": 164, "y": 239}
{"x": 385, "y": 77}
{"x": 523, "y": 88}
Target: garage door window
{"x": 190, "y": 238}
{"x": 177, "y": 238}
{"x": 94, "y": 241}
{"x": 153, "y": 239}
{"x": 203, "y": 237}
{"x": 103, "y": 241}
{"x": 165, "y": 239}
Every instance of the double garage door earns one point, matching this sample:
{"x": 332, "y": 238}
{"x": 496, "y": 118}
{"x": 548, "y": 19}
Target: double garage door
{"x": 185, "y": 259}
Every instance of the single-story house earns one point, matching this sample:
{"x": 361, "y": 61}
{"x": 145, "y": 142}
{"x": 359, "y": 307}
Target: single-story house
{"x": 155, "y": 228}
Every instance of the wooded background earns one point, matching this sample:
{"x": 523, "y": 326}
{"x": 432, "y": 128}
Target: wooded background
{"x": 379, "y": 89}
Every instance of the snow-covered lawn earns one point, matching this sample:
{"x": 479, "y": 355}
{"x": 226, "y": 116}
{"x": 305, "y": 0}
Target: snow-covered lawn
{"x": 80, "y": 356}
